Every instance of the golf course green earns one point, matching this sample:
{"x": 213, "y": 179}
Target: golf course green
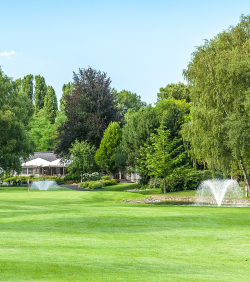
{"x": 95, "y": 236}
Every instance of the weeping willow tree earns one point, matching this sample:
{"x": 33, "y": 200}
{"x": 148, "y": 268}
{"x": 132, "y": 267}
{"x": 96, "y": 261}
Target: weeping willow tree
{"x": 219, "y": 72}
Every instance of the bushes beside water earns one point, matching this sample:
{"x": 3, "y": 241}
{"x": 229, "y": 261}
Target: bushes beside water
{"x": 188, "y": 180}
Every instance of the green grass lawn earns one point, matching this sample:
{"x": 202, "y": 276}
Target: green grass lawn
{"x": 74, "y": 236}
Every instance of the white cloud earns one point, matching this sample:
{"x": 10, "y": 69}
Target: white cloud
{"x": 8, "y": 53}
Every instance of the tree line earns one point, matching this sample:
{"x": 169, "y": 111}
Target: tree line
{"x": 109, "y": 130}
{"x": 202, "y": 124}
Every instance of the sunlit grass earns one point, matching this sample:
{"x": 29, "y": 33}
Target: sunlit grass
{"x": 94, "y": 236}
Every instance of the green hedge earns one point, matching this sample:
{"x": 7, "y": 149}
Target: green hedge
{"x": 173, "y": 184}
{"x": 72, "y": 178}
{"x": 84, "y": 184}
{"x": 105, "y": 177}
{"x": 24, "y": 179}
{"x": 95, "y": 185}
{"x": 188, "y": 180}
{"x": 60, "y": 181}
{"x": 110, "y": 182}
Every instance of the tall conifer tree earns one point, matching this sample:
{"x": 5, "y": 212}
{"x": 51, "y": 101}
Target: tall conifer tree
{"x": 27, "y": 86}
{"x": 105, "y": 154}
{"x": 40, "y": 92}
{"x": 50, "y": 104}
{"x": 67, "y": 90}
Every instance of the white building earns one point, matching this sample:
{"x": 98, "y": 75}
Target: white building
{"x": 44, "y": 163}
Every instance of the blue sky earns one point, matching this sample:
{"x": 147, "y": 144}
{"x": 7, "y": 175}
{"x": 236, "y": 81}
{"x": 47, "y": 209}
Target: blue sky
{"x": 141, "y": 45}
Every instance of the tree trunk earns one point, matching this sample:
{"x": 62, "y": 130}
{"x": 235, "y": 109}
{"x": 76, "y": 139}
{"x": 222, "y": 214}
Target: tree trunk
{"x": 81, "y": 177}
{"x": 245, "y": 176}
{"x": 164, "y": 189}
{"x": 164, "y": 186}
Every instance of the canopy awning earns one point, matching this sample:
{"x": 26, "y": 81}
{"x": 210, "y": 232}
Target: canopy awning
{"x": 58, "y": 163}
{"x": 38, "y": 162}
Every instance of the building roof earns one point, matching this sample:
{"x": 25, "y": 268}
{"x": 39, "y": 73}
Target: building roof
{"x": 45, "y": 159}
{"x": 48, "y": 156}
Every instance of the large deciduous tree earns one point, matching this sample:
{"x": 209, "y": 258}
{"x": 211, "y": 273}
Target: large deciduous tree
{"x": 126, "y": 100}
{"x": 135, "y": 134}
{"x": 83, "y": 158}
{"x": 219, "y": 131}
{"x": 106, "y": 153}
{"x": 42, "y": 131}
{"x": 89, "y": 110}
{"x": 173, "y": 121}
{"x": 15, "y": 111}
{"x": 177, "y": 91}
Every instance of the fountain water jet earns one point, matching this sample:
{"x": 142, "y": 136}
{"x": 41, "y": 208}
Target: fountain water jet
{"x": 215, "y": 191}
{"x": 44, "y": 185}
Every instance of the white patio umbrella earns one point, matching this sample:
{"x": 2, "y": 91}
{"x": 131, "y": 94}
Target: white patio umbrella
{"x": 38, "y": 162}
{"x": 35, "y": 163}
{"x": 58, "y": 163}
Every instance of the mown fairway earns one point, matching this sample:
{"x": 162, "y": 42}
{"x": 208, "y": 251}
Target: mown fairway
{"x": 73, "y": 236}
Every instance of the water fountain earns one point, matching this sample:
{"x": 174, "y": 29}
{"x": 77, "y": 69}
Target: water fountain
{"x": 44, "y": 185}
{"x": 218, "y": 191}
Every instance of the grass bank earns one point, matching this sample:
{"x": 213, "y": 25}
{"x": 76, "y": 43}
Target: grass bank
{"x": 91, "y": 236}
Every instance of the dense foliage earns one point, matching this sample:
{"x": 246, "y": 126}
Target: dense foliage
{"x": 42, "y": 132}
{"x": 136, "y": 132}
{"x": 40, "y": 92}
{"x": 178, "y": 91}
{"x": 50, "y": 104}
{"x": 27, "y": 86}
{"x": 83, "y": 155}
{"x": 15, "y": 111}
{"x": 98, "y": 184}
{"x": 66, "y": 90}
{"x": 126, "y": 100}
{"x": 164, "y": 156}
